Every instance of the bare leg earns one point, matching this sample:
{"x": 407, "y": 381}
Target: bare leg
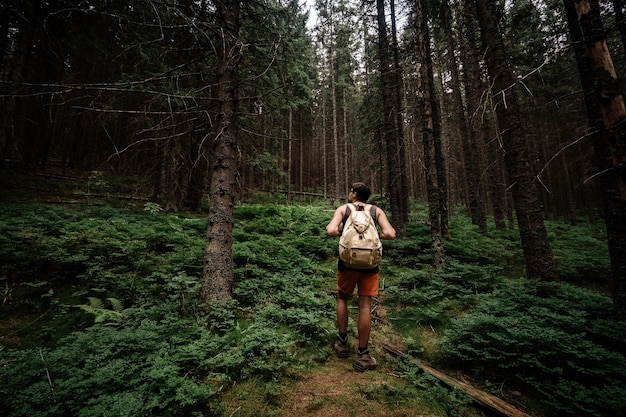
{"x": 342, "y": 313}
{"x": 365, "y": 320}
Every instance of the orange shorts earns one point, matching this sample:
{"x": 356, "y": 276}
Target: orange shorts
{"x": 367, "y": 282}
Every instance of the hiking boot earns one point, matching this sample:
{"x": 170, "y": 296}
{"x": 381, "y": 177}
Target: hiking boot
{"x": 341, "y": 349}
{"x": 364, "y": 363}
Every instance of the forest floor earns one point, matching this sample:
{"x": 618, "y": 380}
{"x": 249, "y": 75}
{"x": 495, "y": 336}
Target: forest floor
{"x": 334, "y": 389}
{"x": 330, "y": 387}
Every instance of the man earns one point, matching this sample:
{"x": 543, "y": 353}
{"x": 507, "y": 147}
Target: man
{"x": 365, "y": 280}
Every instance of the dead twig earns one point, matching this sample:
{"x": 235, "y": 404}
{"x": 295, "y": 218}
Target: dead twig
{"x": 48, "y": 375}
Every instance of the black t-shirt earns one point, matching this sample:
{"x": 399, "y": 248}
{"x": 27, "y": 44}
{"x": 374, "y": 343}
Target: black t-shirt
{"x": 341, "y": 267}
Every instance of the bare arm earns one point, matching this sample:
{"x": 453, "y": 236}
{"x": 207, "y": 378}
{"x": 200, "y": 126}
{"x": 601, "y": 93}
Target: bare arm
{"x": 332, "y": 229}
{"x": 387, "y": 232}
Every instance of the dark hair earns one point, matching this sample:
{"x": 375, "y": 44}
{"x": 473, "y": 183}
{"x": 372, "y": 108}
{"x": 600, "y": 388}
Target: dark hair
{"x": 362, "y": 191}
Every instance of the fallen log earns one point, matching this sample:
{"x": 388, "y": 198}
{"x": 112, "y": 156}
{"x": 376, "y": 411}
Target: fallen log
{"x": 306, "y": 193}
{"x": 485, "y": 399}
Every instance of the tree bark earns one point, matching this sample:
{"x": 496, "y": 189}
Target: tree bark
{"x": 607, "y": 116}
{"x": 490, "y": 151}
{"x": 218, "y": 273}
{"x": 431, "y": 137}
{"x": 399, "y": 131}
{"x": 289, "y": 154}
{"x": 538, "y": 257}
{"x": 337, "y": 192}
{"x": 468, "y": 141}
{"x": 394, "y": 158}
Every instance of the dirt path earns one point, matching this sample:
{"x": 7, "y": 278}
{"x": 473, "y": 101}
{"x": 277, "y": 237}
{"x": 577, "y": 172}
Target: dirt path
{"x": 336, "y": 390}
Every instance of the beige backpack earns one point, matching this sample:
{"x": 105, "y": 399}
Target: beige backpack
{"x": 359, "y": 244}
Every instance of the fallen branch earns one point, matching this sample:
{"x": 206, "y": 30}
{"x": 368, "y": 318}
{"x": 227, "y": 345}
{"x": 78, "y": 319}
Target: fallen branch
{"x": 62, "y": 202}
{"x": 487, "y": 400}
{"x": 310, "y": 194}
{"x": 111, "y": 196}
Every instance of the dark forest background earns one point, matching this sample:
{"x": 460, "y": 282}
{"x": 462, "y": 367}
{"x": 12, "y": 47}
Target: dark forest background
{"x": 130, "y": 89}
{"x": 503, "y": 110}
{"x": 167, "y": 166}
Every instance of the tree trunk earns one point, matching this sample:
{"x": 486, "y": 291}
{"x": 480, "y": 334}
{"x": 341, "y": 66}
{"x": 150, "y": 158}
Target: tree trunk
{"x": 333, "y": 91}
{"x": 324, "y": 149}
{"x": 538, "y": 256}
{"x": 430, "y": 133}
{"x": 218, "y": 273}
{"x": 301, "y": 185}
{"x": 394, "y": 159}
{"x": 468, "y": 141}
{"x": 568, "y": 197}
{"x": 197, "y": 184}
{"x": 488, "y": 152}
{"x": 607, "y": 115}
{"x": 399, "y": 131}
{"x": 289, "y": 154}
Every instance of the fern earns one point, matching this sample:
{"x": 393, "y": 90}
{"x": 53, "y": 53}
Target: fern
{"x": 116, "y": 305}
{"x": 156, "y": 352}
{"x": 102, "y": 314}
{"x": 95, "y": 303}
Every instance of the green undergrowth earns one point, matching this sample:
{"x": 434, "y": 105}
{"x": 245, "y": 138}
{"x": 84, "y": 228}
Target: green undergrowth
{"x": 553, "y": 341}
{"x": 100, "y": 314}
{"x": 110, "y": 320}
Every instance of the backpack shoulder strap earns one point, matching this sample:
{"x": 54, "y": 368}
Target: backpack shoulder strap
{"x": 349, "y": 208}
{"x": 372, "y": 209}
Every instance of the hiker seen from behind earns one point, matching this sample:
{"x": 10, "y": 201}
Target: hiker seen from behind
{"x": 360, "y": 227}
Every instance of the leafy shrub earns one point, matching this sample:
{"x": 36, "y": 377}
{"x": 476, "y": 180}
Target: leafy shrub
{"x": 466, "y": 245}
{"x": 433, "y": 298}
{"x": 269, "y": 253}
{"x": 143, "y": 368}
{"x": 409, "y": 253}
{"x": 541, "y": 336}
{"x": 157, "y": 352}
{"x": 455, "y": 280}
{"x": 440, "y": 398}
{"x": 581, "y": 253}
{"x": 153, "y": 350}
{"x": 113, "y": 249}
{"x": 304, "y": 227}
